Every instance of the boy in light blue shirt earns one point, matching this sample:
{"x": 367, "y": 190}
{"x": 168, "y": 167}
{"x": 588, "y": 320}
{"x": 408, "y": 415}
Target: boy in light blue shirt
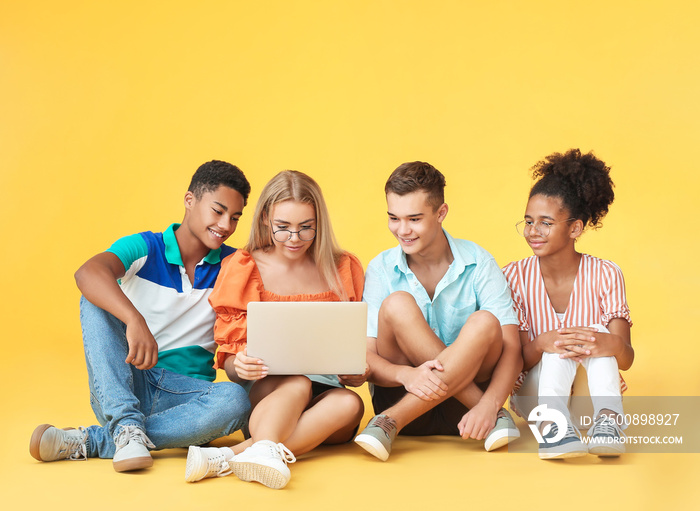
{"x": 443, "y": 347}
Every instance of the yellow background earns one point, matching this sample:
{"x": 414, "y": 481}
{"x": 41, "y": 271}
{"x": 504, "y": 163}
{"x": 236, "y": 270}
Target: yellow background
{"x": 107, "y": 108}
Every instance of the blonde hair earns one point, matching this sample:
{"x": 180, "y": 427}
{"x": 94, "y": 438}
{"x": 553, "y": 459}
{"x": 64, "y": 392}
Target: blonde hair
{"x": 297, "y": 186}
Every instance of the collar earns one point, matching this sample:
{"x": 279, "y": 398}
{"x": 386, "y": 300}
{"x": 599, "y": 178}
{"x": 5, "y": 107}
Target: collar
{"x": 172, "y": 249}
{"x": 462, "y": 258}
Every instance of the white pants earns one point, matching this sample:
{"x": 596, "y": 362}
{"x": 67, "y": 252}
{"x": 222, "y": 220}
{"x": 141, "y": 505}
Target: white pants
{"x": 552, "y": 379}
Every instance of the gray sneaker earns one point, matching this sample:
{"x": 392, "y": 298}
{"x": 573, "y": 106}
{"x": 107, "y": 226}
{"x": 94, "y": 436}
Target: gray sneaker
{"x": 132, "y": 449}
{"x": 570, "y": 446}
{"x": 504, "y": 432}
{"x": 378, "y": 436}
{"x": 606, "y": 438}
{"x": 49, "y": 443}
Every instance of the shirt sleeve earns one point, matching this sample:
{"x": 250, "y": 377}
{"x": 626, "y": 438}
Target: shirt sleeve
{"x": 613, "y": 300}
{"x": 493, "y": 293}
{"x": 376, "y": 290}
{"x": 352, "y": 276}
{"x": 238, "y": 284}
{"x": 129, "y": 250}
{"x": 512, "y": 276}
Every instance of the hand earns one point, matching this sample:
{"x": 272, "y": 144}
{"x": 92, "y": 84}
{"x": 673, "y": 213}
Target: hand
{"x": 423, "y": 382}
{"x": 143, "y": 348}
{"x": 590, "y": 343}
{"x": 479, "y": 421}
{"x": 572, "y": 342}
{"x": 354, "y": 380}
{"x": 249, "y": 368}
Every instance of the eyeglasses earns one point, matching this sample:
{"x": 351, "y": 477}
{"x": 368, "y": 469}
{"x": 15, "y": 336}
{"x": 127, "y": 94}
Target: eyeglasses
{"x": 304, "y": 234}
{"x": 541, "y": 226}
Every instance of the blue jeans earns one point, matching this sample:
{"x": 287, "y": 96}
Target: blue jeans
{"x": 174, "y": 410}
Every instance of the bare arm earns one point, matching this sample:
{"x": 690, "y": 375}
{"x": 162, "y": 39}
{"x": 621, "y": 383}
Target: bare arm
{"x": 421, "y": 381}
{"x": 507, "y": 368}
{"x": 481, "y": 418}
{"x": 97, "y": 281}
{"x": 240, "y": 367}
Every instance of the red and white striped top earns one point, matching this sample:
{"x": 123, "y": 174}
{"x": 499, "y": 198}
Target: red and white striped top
{"x": 598, "y": 296}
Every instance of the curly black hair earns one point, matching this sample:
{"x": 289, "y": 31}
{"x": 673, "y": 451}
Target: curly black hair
{"x": 581, "y": 181}
{"x": 215, "y": 173}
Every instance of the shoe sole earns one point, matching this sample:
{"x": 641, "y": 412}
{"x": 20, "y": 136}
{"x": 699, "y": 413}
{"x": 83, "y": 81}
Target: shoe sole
{"x": 133, "y": 464}
{"x": 193, "y": 468}
{"x": 251, "y": 471}
{"x": 561, "y": 455}
{"x": 35, "y": 441}
{"x": 501, "y": 438}
{"x": 372, "y": 446}
{"x": 604, "y": 451}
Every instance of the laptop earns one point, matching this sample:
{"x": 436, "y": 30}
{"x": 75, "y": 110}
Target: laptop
{"x": 308, "y": 337}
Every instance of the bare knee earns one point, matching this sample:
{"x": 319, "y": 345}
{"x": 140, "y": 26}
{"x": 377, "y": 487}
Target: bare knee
{"x": 485, "y": 325}
{"x": 396, "y": 304}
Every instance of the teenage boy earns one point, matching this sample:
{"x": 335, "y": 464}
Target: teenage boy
{"x": 443, "y": 345}
{"x": 148, "y": 335}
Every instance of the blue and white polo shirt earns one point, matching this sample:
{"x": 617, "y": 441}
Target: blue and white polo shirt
{"x": 177, "y": 312}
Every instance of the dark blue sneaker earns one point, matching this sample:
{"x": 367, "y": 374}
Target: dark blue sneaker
{"x": 570, "y": 446}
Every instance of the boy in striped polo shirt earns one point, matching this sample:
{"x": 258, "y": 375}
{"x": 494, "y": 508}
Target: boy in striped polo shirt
{"x": 148, "y": 335}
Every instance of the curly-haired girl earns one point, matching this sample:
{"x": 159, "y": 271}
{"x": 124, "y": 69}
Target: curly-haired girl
{"x": 571, "y": 307}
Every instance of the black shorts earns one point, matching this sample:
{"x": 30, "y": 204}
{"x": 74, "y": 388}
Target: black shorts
{"x": 441, "y": 420}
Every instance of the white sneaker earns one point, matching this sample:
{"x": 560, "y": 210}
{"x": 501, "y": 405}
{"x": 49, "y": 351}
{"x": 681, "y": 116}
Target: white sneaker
{"x": 264, "y": 462}
{"x": 203, "y": 462}
{"x": 132, "y": 449}
{"x": 49, "y": 443}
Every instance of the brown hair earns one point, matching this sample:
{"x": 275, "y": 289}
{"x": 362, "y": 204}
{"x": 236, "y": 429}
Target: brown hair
{"x": 418, "y": 176}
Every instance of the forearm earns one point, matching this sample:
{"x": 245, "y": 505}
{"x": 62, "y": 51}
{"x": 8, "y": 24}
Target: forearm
{"x": 230, "y": 369}
{"x": 382, "y": 372}
{"x": 624, "y": 354}
{"x": 531, "y": 354}
{"x": 98, "y": 284}
{"x": 504, "y": 376}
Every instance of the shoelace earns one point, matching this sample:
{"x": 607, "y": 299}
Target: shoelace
{"x": 285, "y": 454}
{"x": 129, "y": 433}
{"x": 77, "y": 446}
{"x": 387, "y": 424}
{"x": 570, "y": 431}
{"x": 218, "y": 465}
{"x": 605, "y": 426}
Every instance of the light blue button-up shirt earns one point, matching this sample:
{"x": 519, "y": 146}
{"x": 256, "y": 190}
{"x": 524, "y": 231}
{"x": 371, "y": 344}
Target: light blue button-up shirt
{"x": 472, "y": 282}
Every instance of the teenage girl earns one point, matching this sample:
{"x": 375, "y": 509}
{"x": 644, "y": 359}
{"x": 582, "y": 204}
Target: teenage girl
{"x": 291, "y": 256}
{"x": 572, "y": 307}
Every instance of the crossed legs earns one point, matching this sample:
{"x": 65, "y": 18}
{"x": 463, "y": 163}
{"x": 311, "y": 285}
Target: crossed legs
{"x": 285, "y": 411}
{"x": 405, "y": 338}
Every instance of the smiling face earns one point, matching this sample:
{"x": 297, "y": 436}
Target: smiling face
{"x": 213, "y": 217}
{"x": 413, "y": 221}
{"x": 292, "y": 216}
{"x": 549, "y": 212}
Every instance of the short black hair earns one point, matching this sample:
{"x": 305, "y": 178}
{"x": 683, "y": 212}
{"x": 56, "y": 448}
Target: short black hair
{"x": 215, "y": 173}
{"x": 581, "y": 181}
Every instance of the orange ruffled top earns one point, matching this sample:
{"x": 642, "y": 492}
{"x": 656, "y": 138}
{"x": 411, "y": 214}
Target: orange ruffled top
{"x": 240, "y": 282}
